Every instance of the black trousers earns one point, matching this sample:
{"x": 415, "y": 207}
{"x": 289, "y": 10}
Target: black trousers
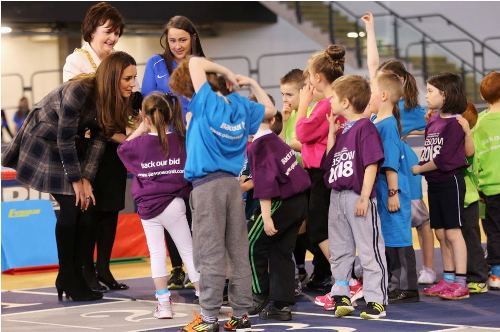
{"x": 175, "y": 257}
{"x": 273, "y": 268}
{"x": 402, "y": 268}
{"x": 68, "y": 242}
{"x": 477, "y": 269}
{"x": 98, "y": 228}
{"x": 491, "y": 226}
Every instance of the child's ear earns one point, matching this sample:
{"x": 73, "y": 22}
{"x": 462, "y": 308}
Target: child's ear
{"x": 384, "y": 95}
{"x": 345, "y": 103}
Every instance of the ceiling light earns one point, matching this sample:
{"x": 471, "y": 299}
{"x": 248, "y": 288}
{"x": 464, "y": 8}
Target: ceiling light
{"x": 362, "y": 34}
{"x": 352, "y": 34}
{"x": 6, "y": 29}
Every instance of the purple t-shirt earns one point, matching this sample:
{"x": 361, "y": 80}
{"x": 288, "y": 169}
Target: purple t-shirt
{"x": 355, "y": 148}
{"x": 158, "y": 179}
{"x": 275, "y": 170}
{"x": 444, "y": 143}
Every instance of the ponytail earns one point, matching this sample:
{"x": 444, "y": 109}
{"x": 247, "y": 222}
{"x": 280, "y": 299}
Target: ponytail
{"x": 410, "y": 91}
{"x": 397, "y": 114}
{"x": 165, "y": 112}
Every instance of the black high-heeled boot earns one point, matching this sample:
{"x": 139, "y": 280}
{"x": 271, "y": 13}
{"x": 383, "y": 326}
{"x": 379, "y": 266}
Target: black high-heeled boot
{"x": 111, "y": 283}
{"x": 91, "y": 279}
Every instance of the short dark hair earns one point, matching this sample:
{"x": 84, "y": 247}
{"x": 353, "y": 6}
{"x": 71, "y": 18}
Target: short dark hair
{"x": 253, "y": 98}
{"x": 354, "y": 88}
{"x": 295, "y": 76}
{"x": 452, "y": 86}
{"x": 98, "y": 15}
{"x": 490, "y": 87}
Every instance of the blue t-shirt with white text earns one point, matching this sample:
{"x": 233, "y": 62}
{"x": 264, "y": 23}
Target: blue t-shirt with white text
{"x": 217, "y": 135}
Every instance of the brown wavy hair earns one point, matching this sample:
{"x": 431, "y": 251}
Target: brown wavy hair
{"x": 165, "y": 111}
{"x": 113, "y": 110}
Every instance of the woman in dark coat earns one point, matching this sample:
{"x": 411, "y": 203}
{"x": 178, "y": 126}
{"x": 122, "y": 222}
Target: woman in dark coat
{"x": 50, "y": 153}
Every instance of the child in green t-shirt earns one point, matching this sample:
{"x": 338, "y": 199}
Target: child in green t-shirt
{"x": 477, "y": 269}
{"x": 486, "y": 161}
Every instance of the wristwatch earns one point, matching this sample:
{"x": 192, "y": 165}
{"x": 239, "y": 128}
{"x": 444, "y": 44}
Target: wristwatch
{"x": 393, "y": 192}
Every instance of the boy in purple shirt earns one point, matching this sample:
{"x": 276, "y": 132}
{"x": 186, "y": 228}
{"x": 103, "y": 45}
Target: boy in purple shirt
{"x": 351, "y": 165}
{"x": 280, "y": 184}
{"x": 157, "y": 157}
{"x": 442, "y": 162}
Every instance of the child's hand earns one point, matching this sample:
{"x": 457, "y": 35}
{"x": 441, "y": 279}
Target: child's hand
{"x": 244, "y": 80}
{"x": 415, "y": 170}
{"x": 393, "y": 203}
{"x": 306, "y": 94}
{"x": 429, "y": 113}
{"x": 269, "y": 227}
{"x": 368, "y": 20}
{"x": 333, "y": 125}
{"x": 232, "y": 79}
{"x": 361, "y": 207}
{"x": 465, "y": 124}
{"x": 287, "y": 110}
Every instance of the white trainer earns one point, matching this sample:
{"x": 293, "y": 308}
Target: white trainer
{"x": 426, "y": 276}
{"x": 164, "y": 310}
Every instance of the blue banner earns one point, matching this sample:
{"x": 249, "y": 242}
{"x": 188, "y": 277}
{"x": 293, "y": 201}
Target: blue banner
{"x": 28, "y": 234}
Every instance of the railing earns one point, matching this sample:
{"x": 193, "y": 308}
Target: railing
{"x": 426, "y": 39}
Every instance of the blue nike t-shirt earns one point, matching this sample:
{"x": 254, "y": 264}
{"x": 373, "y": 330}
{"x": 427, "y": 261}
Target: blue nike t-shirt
{"x": 218, "y": 132}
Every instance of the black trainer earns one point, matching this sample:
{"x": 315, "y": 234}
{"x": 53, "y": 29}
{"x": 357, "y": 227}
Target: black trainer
{"x": 320, "y": 284}
{"x": 343, "y": 306}
{"x": 271, "y": 312}
{"x": 403, "y": 296}
{"x": 176, "y": 280}
{"x": 238, "y": 324}
{"x": 259, "y": 302}
{"x": 373, "y": 310}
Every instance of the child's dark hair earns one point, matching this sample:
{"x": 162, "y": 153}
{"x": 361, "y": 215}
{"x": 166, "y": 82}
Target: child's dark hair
{"x": 218, "y": 83}
{"x": 354, "y": 88}
{"x": 329, "y": 62}
{"x": 295, "y": 76}
{"x": 277, "y": 126}
{"x": 410, "y": 89}
{"x": 455, "y": 100}
{"x": 490, "y": 87}
{"x": 390, "y": 82}
{"x": 165, "y": 111}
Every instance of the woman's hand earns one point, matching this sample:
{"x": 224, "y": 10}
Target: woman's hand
{"x": 79, "y": 193}
{"x": 89, "y": 193}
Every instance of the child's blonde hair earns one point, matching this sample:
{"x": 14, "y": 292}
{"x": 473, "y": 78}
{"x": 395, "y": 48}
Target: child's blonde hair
{"x": 354, "y": 88}
{"x": 390, "y": 82}
{"x": 165, "y": 111}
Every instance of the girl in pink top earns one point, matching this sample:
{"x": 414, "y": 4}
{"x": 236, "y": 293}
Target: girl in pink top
{"x": 323, "y": 68}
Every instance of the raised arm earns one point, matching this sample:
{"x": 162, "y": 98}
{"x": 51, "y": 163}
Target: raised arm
{"x": 259, "y": 94}
{"x": 372, "y": 57}
{"x": 199, "y": 67}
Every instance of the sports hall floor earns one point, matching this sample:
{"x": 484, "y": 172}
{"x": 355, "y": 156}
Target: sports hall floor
{"x": 29, "y": 303}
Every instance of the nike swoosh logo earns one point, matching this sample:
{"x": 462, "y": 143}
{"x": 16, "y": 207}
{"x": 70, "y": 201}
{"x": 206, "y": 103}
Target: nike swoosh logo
{"x": 162, "y": 76}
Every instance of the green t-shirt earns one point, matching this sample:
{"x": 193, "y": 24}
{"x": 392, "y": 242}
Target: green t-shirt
{"x": 487, "y": 152}
{"x": 290, "y": 126}
{"x": 471, "y": 193}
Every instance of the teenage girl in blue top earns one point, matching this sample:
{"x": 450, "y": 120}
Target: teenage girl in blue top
{"x": 181, "y": 39}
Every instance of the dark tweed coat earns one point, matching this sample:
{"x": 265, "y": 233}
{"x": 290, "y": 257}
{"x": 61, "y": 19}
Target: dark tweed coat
{"x": 50, "y": 150}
